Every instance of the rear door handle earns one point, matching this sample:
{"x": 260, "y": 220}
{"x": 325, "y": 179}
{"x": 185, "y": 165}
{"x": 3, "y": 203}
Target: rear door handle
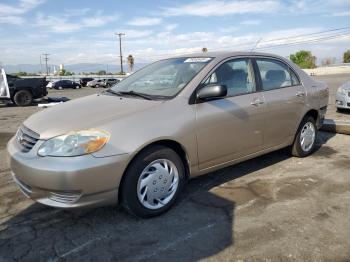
{"x": 300, "y": 94}
{"x": 256, "y": 102}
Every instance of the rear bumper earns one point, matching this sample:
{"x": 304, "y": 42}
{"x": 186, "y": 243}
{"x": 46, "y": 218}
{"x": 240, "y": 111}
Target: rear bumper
{"x": 66, "y": 182}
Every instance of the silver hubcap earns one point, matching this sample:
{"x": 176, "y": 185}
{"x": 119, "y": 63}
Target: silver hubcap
{"x": 157, "y": 184}
{"x": 307, "y": 136}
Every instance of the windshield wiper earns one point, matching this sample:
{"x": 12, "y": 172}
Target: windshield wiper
{"x": 112, "y": 92}
{"x": 133, "y": 93}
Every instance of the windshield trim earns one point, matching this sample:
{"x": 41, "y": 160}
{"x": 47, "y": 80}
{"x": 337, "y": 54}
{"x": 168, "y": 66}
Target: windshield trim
{"x": 163, "y": 97}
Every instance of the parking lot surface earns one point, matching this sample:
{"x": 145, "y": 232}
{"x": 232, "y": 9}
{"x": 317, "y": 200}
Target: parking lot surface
{"x": 272, "y": 208}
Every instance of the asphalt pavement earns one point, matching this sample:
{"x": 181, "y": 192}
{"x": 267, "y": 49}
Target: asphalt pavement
{"x": 271, "y": 208}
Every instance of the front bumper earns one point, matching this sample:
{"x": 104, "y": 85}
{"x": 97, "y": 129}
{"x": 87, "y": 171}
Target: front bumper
{"x": 342, "y": 100}
{"x": 66, "y": 182}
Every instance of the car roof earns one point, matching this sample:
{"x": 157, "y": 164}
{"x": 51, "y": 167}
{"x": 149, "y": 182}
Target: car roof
{"x": 225, "y": 54}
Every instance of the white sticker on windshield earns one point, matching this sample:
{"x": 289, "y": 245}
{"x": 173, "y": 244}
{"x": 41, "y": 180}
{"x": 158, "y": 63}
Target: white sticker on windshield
{"x": 197, "y": 60}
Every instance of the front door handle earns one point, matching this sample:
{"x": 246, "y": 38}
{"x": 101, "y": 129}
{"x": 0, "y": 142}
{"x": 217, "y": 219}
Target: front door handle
{"x": 300, "y": 94}
{"x": 256, "y": 102}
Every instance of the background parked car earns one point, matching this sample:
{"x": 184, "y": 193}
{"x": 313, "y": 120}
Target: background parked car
{"x": 342, "y": 97}
{"x": 49, "y": 84}
{"x": 83, "y": 81}
{"x": 96, "y": 83}
{"x": 65, "y": 84}
{"x": 21, "y": 91}
{"x": 111, "y": 81}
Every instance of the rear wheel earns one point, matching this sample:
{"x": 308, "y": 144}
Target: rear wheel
{"x": 305, "y": 139}
{"x": 23, "y": 98}
{"x": 60, "y": 87}
{"x": 152, "y": 182}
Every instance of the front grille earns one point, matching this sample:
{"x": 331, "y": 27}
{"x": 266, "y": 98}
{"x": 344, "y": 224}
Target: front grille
{"x": 26, "y": 138}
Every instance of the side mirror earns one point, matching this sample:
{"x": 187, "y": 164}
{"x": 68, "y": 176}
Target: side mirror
{"x": 212, "y": 91}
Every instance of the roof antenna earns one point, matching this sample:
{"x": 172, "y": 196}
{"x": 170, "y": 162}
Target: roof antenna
{"x": 256, "y": 44}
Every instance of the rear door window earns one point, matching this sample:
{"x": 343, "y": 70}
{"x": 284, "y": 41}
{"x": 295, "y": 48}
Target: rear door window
{"x": 275, "y": 74}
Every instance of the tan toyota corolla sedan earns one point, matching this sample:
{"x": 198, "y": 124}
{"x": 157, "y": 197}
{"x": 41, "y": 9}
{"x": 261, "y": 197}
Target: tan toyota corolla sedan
{"x": 170, "y": 121}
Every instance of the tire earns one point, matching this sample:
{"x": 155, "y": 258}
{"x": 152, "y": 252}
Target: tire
{"x": 133, "y": 190}
{"x": 23, "y": 98}
{"x": 307, "y": 127}
{"x": 97, "y": 86}
{"x": 60, "y": 88}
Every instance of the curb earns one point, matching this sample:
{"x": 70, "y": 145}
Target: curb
{"x": 336, "y": 126}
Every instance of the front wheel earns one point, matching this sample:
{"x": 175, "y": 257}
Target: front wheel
{"x": 152, "y": 182}
{"x": 305, "y": 139}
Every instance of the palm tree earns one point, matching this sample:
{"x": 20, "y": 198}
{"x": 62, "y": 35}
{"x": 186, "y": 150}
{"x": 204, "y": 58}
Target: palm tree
{"x": 131, "y": 63}
{"x": 204, "y": 49}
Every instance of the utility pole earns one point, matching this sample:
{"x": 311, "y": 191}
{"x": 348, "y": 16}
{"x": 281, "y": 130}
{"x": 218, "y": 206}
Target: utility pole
{"x": 120, "y": 51}
{"x": 41, "y": 65}
{"x": 46, "y": 58}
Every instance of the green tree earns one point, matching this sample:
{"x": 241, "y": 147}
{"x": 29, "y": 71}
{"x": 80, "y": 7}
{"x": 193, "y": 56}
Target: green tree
{"x": 346, "y": 57}
{"x": 62, "y": 72}
{"x": 204, "y": 49}
{"x": 304, "y": 59}
{"x": 21, "y": 73}
{"x": 102, "y": 72}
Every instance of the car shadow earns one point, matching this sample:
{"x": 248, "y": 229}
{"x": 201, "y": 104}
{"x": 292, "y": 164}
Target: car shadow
{"x": 200, "y": 225}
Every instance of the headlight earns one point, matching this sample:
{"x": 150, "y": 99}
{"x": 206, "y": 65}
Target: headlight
{"x": 74, "y": 143}
{"x": 341, "y": 90}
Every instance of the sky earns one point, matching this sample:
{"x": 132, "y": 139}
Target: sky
{"x": 84, "y": 31}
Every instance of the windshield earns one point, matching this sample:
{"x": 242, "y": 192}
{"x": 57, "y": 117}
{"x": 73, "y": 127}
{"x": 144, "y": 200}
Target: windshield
{"x": 164, "y": 78}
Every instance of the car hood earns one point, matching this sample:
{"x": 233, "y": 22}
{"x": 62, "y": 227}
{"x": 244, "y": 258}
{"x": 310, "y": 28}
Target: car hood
{"x": 84, "y": 113}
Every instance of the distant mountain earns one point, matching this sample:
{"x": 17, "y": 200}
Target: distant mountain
{"x": 76, "y": 68}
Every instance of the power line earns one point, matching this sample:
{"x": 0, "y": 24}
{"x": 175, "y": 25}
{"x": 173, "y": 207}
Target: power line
{"x": 318, "y": 37}
{"x": 320, "y": 32}
{"x": 307, "y": 41}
